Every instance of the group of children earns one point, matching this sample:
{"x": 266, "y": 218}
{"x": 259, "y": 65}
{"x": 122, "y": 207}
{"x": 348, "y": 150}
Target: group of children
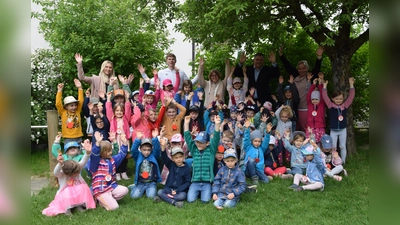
{"x": 194, "y": 150}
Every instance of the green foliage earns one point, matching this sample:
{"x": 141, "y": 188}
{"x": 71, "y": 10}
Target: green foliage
{"x": 45, "y": 75}
{"x": 125, "y": 32}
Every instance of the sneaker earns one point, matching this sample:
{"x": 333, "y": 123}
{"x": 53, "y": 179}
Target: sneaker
{"x": 270, "y": 178}
{"x": 124, "y": 176}
{"x": 118, "y": 176}
{"x": 131, "y": 186}
{"x": 251, "y": 186}
{"x": 299, "y": 188}
{"x": 219, "y": 207}
{"x": 179, "y": 204}
{"x": 68, "y": 212}
{"x": 288, "y": 169}
{"x": 345, "y": 172}
{"x": 251, "y": 189}
{"x": 80, "y": 209}
{"x": 293, "y": 186}
{"x": 255, "y": 180}
{"x": 287, "y": 176}
{"x": 157, "y": 199}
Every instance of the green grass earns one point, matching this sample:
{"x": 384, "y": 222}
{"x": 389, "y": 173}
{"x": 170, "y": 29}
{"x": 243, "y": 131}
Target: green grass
{"x": 343, "y": 202}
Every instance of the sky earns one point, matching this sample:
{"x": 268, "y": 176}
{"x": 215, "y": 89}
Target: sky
{"x": 182, "y": 49}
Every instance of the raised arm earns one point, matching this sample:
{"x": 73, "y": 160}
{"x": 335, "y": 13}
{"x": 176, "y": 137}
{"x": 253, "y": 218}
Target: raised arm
{"x": 200, "y": 73}
{"x": 81, "y": 74}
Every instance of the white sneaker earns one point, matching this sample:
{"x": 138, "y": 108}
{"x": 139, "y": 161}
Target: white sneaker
{"x": 124, "y": 176}
{"x": 118, "y": 176}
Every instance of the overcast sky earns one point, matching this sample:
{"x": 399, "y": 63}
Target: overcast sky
{"x": 182, "y": 49}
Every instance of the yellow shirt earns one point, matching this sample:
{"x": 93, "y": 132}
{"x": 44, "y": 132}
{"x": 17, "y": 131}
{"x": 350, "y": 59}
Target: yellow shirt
{"x": 71, "y": 125}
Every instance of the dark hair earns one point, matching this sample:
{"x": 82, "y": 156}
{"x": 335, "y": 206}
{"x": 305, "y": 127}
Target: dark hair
{"x": 172, "y": 106}
{"x": 259, "y": 54}
{"x": 337, "y": 93}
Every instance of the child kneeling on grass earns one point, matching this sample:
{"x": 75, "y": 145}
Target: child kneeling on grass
{"x": 178, "y": 180}
{"x": 229, "y": 183}
{"x": 147, "y": 171}
{"x": 315, "y": 169}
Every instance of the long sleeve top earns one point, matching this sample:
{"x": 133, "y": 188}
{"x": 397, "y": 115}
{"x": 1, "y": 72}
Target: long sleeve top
{"x": 113, "y": 120}
{"x": 170, "y": 124}
{"x": 71, "y": 123}
{"x": 253, "y": 152}
{"x": 178, "y": 177}
{"x": 229, "y": 181}
{"x": 315, "y": 113}
{"x": 297, "y": 158}
{"x": 335, "y": 111}
{"x": 238, "y": 94}
{"x": 139, "y": 157}
{"x": 211, "y": 90}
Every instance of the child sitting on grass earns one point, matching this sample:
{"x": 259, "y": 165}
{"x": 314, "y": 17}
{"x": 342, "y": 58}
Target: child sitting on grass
{"x": 179, "y": 176}
{"x": 229, "y": 183}
{"x": 314, "y": 178}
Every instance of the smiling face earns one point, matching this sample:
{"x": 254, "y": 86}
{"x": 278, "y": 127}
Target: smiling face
{"x": 193, "y": 115}
{"x": 284, "y": 116}
{"x": 152, "y": 116}
{"x": 187, "y": 89}
{"x": 72, "y": 107}
{"x": 233, "y": 115}
{"x": 256, "y": 142}
{"x": 171, "y": 113}
{"x": 249, "y": 113}
{"x": 288, "y": 94}
{"x": 338, "y": 100}
{"x": 230, "y": 162}
{"x": 108, "y": 69}
{"x": 106, "y": 154}
{"x": 258, "y": 61}
{"x": 168, "y": 88}
{"x": 302, "y": 69}
{"x": 118, "y": 112}
{"x": 315, "y": 101}
{"x": 214, "y": 77}
{"x": 149, "y": 99}
{"x": 298, "y": 142}
{"x": 226, "y": 141}
{"x": 201, "y": 146}
{"x": 99, "y": 123}
{"x": 219, "y": 156}
{"x": 171, "y": 61}
{"x": 237, "y": 85}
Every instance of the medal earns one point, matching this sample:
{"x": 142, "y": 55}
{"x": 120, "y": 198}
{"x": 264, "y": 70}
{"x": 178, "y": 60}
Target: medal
{"x": 314, "y": 113}
{"x": 119, "y": 131}
{"x": 174, "y": 127}
{"x": 70, "y": 125}
{"x": 145, "y": 175}
{"x": 340, "y": 118}
{"x": 221, "y": 149}
{"x": 328, "y": 165}
{"x": 274, "y": 165}
{"x": 108, "y": 178}
{"x": 256, "y": 160}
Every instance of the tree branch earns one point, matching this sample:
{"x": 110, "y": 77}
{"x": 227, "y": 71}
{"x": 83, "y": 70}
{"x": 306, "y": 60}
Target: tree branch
{"x": 359, "y": 41}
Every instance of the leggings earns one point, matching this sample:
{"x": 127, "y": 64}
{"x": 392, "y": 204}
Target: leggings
{"x": 342, "y": 136}
{"x": 271, "y": 172}
{"x": 308, "y": 186}
{"x": 109, "y": 199}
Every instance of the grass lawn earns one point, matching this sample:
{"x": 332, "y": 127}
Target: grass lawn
{"x": 344, "y": 202}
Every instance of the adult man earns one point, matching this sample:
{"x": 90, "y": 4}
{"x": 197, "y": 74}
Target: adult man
{"x": 168, "y": 73}
{"x": 259, "y": 75}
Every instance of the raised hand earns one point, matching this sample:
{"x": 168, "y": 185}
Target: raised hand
{"x": 278, "y": 135}
{"x": 77, "y": 83}
{"x": 274, "y": 98}
{"x": 87, "y": 146}
{"x": 101, "y": 94}
{"x": 123, "y": 139}
{"x": 281, "y": 50}
{"x": 130, "y": 78}
{"x": 187, "y": 119}
{"x": 306, "y": 141}
{"x": 98, "y": 136}
{"x": 194, "y": 131}
{"x": 139, "y": 134}
{"x": 315, "y": 81}
{"x": 60, "y": 86}
{"x": 60, "y": 158}
{"x": 325, "y": 83}
{"x": 121, "y": 79}
{"x": 272, "y": 56}
{"x": 167, "y": 101}
{"x": 242, "y": 57}
{"x": 272, "y": 113}
{"x": 162, "y": 131}
{"x": 320, "y": 51}
{"x": 239, "y": 125}
{"x": 201, "y": 62}
{"x": 280, "y": 79}
{"x": 157, "y": 83}
{"x": 247, "y": 123}
{"x": 190, "y": 96}
{"x": 217, "y": 120}
{"x": 109, "y": 94}
{"x": 351, "y": 82}
{"x": 100, "y": 108}
{"x": 269, "y": 127}
{"x": 58, "y": 138}
{"x": 252, "y": 90}
{"x": 264, "y": 118}
{"x": 78, "y": 58}
{"x": 154, "y": 133}
{"x": 239, "y": 117}
{"x": 90, "y": 106}
{"x": 287, "y": 134}
{"x": 163, "y": 144}
{"x": 87, "y": 92}
{"x": 112, "y": 135}
{"x": 291, "y": 79}
{"x": 113, "y": 80}
{"x": 200, "y": 95}
{"x": 141, "y": 68}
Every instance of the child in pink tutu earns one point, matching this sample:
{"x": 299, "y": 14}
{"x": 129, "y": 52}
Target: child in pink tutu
{"x": 73, "y": 191}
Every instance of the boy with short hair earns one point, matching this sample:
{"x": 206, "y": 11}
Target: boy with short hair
{"x": 203, "y": 153}
{"x": 229, "y": 183}
{"x": 147, "y": 172}
{"x": 179, "y": 176}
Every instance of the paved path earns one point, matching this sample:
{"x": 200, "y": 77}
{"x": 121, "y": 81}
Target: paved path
{"x": 37, "y": 183}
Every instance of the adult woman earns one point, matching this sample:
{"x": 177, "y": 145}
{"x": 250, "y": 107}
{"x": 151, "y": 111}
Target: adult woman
{"x": 98, "y": 82}
{"x": 215, "y": 87}
{"x": 302, "y": 80}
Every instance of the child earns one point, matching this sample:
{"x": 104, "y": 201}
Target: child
{"x": 297, "y": 159}
{"x": 196, "y": 114}
{"x": 235, "y": 87}
{"x": 172, "y": 120}
{"x": 314, "y": 178}
{"x": 209, "y": 119}
{"x": 169, "y": 90}
{"x": 73, "y": 191}
{"x": 119, "y": 117}
{"x": 149, "y": 99}
{"x": 329, "y": 155}
{"x": 203, "y": 152}
{"x": 250, "y": 112}
{"x": 338, "y": 116}
{"x": 316, "y": 110}
{"x": 182, "y": 96}
{"x": 71, "y": 149}
{"x": 284, "y": 113}
{"x": 103, "y": 168}
{"x": 135, "y": 96}
{"x": 219, "y": 162}
{"x": 254, "y": 148}
{"x": 179, "y": 176}
{"x": 229, "y": 183}
{"x": 98, "y": 121}
{"x": 147, "y": 172}
{"x": 70, "y": 113}
{"x": 266, "y": 110}
{"x": 289, "y": 95}
{"x": 272, "y": 165}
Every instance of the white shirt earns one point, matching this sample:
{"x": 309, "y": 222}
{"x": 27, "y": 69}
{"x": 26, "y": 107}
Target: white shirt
{"x": 170, "y": 74}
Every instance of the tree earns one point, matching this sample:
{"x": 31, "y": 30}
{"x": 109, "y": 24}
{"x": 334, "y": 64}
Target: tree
{"x": 125, "y": 32}
{"x": 341, "y": 26}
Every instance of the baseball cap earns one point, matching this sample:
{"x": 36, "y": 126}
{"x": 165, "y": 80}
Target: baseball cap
{"x": 177, "y": 138}
{"x": 119, "y": 92}
{"x": 176, "y": 150}
{"x": 255, "y": 134}
{"x": 146, "y": 141}
{"x": 326, "y": 141}
{"x": 236, "y": 80}
{"x": 287, "y": 88}
{"x": 194, "y": 108}
{"x": 167, "y": 82}
{"x": 230, "y": 152}
{"x": 268, "y": 105}
{"x": 94, "y": 100}
{"x": 308, "y": 150}
{"x": 272, "y": 140}
{"x": 69, "y": 100}
{"x": 70, "y": 145}
{"x": 135, "y": 92}
{"x": 149, "y": 92}
{"x": 250, "y": 107}
{"x": 202, "y": 137}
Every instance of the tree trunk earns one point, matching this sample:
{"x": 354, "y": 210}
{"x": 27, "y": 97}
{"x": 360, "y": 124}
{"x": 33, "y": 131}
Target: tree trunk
{"x": 340, "y": 61}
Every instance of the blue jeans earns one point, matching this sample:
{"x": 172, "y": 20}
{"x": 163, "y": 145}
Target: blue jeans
{"x": 181, "y": 196}
{"x": 150, "y": 188}
{"x": 226, "y": 202}
{"x": 202, "y": 188}
{"x": 251, "y": 171}
{"x": 296, "y": 170}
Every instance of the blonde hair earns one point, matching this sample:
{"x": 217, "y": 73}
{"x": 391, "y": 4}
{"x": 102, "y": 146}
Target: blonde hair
{"x": 103, "y": 76}
{"x": 228, "y": 134}
{"x": 288, "y": 110}
{"x": 304, "y": 62}
{"x": 71, "y": 167}
{"x": 105, "y": 146}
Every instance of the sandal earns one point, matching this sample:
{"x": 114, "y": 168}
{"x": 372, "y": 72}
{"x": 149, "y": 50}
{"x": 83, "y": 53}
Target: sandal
{"x": 338, "y": 178}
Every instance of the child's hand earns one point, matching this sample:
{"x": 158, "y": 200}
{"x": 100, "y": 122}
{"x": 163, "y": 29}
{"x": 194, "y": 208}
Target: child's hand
{"x": 78, "y": 58}
{"x": 141, "y": 82}
{"x": 162, "y": 131}
{"x": 141, "y": 68}
{"x": 98, "y": 136}
{"x": 157, "y": 83}
{"x": 167, "y": 101}
{"x": 291, "y": 79}
{"x": 247, "y": 123}
{"x": 60, "y": 87}
{"x": 225, "y": 121}
{"x": 190, "y": 96}
{"x": 87, "y": 92}
{"x": 123, "y": 139}
{"x": 239, "y": 117}
{"x": 58, "y": 138}
{"x": 280, "y": 79}
{"x": 163, "y": 144}
{"x": 309, "y": 130}
{"x": 133, "y": 103}
{"x": 209, "y": 106}
{"x": 130, "y": 78}
{"x": 101, "y": 94}
{"x": 200, "y": 95}
{"x": 154, "y": 133}
{"x": 278, "y": 135}
{"x": 309, "y": 76}
{"x": 230, "y": 124}
{"x": 351, "y": 82}
{"x": 77, "y": 83}
{"x": 231, "y": 196}
{"x": 321, "y": 75}
{"x": 187, "y": 119}
{"x": 60, "y": 158}
{"x": 155, "y": 72}
{"x": 217, "y": 120}
{"x": 113, "y": 80}
{"x": 274, "y": 98}
{"x": 215, "y": 197}
{"x": 252, "y": 90}
{"x": 264, "y": 118}
{"x": 111, "y": 136}
{"x": 314, "y": 144}
{"x": 87, "y": 146}
{"x": 320, "y": 51}
{"x": 325, "y": 84}
{"x": 269, "y": 127}
{"x": 306, "y": 141}
{"x": 287, "y": 134}
{"x": 121, "y": 79}
{"x": 139, "y": 134}
{"x": 109, "y": 96}
{"x": 272, "y": 113}
{"x": 239, "y": 125}
{"x": 315, "y": 81}
{"x": 100, "y": 107}
{"x": 147, "y": 80}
